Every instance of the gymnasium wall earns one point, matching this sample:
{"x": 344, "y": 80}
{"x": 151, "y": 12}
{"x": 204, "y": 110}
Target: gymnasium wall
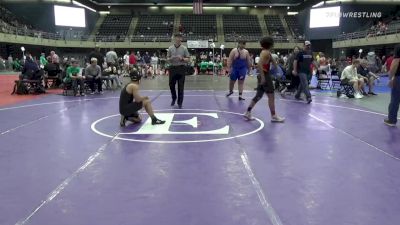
{"x": 41, "y": 15}
{"x": 347, "y": 25}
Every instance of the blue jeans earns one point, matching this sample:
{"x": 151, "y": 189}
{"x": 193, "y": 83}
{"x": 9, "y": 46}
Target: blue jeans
{"x": 394, "y": 101}
{"x": 303, "y": 87}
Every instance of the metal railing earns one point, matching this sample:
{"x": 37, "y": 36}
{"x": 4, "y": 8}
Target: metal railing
{"x": 17, "y": 31}
{"x": 393, "y": 28}
{"x": 76, "y": 36}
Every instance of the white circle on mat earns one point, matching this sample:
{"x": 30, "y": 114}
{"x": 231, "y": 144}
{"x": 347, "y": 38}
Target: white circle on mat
{"x": 260, "y": 127}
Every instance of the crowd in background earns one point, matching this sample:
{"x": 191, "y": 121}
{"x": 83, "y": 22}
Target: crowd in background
{"x": 380, "y": 26}
{"x": 114, "y": 67}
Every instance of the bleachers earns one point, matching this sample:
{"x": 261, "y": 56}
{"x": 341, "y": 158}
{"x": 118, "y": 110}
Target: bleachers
{"x": 199, "y": 27}
{"x": 275, "y": 28}
{"x": 294, "y": 27}
{"x": 114, "y": 28}
{"x": 157, "y": 28}
{"x": 244, "y": 27}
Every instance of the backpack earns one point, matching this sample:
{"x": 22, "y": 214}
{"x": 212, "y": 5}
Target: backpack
{"x": 20, "y": 88}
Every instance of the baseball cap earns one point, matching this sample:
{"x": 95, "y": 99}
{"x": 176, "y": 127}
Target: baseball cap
{"x": 307, "y": 43}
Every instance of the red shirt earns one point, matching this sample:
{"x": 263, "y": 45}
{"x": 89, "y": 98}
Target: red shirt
{"x": 132, "y": 59}
{"x": 389, "y": 63}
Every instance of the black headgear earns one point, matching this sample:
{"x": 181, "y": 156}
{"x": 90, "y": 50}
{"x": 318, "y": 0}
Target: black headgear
{"x": 135, "y": 76}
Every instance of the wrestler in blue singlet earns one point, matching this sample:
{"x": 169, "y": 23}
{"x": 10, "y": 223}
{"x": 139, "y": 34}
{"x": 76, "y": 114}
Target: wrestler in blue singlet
{"x": 239, "y": 68}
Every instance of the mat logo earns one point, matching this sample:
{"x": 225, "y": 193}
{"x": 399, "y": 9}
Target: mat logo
{"x": 147, "y": 128}
{"x": 183, "y": 126}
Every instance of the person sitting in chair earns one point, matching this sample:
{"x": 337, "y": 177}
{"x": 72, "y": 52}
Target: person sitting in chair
{"x": 93, "y": 76}
{"x": 350, "y": 76}
{"x": 368, "y": 76}
{"x": 52, "y": 72}
{"x": 111, "y": 74}
{"x": 131, "y": 102}
{"x": 74, "y": 76}
{"x": 31, "y": 70}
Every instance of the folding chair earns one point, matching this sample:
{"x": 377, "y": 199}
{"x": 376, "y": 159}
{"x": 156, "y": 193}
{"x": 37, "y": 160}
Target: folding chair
{"x": 324, "y": 82}
{"x": 335, "y": 76}
{"x": 347, "y": 89}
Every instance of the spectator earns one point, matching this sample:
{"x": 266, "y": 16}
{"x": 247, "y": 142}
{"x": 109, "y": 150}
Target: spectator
{"x": 389, "y": 61}
{"x": 154, "y": 64}
{"x": 294, "y": 80}
{"x": 10, "y": 62}
{"x": 93, "y": 75}
{"x": 111, "y": 58}
{"x": 256, "y": 60}
{"x": 31, "y": 70}
{"x": 43, "y": 60}
{"x": 146, "y": 58}
{"x": 97, "y": 54}
{"x": 368, "y": 76}
{"x": 126, "y": 62}
{"x": 323, "y": 64}
{"x": 132, "y": 59}
{"x": 54, "y": 58}
{"x": 2, "y": 63}
{"x": 74, "y": 76}
{"x": 350, "y": 76}
{"x": 112, "y": 73}
{"x": 372, "y": 63}
{"x": 51, "y": 71}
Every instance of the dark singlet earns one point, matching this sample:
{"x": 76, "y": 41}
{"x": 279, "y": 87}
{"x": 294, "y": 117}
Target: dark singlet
{"x": 125, "y": 98}
{"x": 266, "y": 66}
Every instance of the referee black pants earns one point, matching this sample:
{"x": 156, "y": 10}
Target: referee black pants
{"x": 177, "y": 75}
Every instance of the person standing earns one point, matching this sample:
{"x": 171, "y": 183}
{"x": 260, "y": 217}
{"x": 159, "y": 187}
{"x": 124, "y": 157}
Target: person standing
{"x": 97, "y": 54}
{"x": 126, "y": 62}
{"x": 302, "y": 68}
{"x": 265, "y": 85}
{"x": 43, "y": 60}
{"x": 111, "y": 58}
{"x": 239, "y": 62}
{"x": 389, "y": 61}
{"x": 10, "y": 62}
{"x": 55, "y": 59}
{"x": 132, "y": 59}
{"x": 154, "y": 64}
{"x": 294, "y": 80}
{"x": 394, "y": 84}
{"x": 178, "y": 57}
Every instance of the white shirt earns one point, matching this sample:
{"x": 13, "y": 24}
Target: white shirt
{"x": 126, "y": 59}
{"x": 257, "y": 59}
{"x": 154, "y": 60}
{"x": 349, "y": 73}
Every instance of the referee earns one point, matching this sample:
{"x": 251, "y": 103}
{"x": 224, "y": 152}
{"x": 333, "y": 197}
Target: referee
{"x": 178, "y": 58}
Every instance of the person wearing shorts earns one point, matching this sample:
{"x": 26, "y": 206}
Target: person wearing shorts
{"x": 265, "y": 85}
{"x": 369, "y": 77}
{"x": 350, "y": 76}
{"x": 130, "y": 102}
{"x": 239, "y": 62}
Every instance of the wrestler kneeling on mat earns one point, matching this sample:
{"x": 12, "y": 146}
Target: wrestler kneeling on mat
{"x": 130, "y": 102}
{"x": 265, "y": 86}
